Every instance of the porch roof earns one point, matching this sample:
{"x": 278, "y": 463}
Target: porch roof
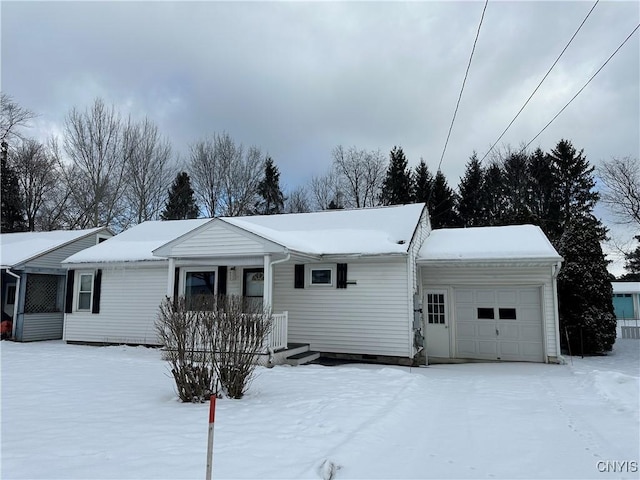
{"x": 22, "y": 247}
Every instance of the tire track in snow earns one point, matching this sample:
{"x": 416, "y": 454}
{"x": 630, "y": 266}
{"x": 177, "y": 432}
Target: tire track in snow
{"x": 326, "y": 467}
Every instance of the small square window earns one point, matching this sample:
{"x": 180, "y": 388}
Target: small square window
{"x": 507, "y": 313}
{"x": 321, "y": 276}
{"x": 486, "y": 314}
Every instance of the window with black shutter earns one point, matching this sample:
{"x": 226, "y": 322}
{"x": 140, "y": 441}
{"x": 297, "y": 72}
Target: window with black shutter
{"x": 341, "y": 274}
{"x": 298, "y": 281}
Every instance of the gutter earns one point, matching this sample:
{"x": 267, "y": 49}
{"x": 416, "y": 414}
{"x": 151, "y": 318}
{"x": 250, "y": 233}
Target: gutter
{"x": 556, "y": 314}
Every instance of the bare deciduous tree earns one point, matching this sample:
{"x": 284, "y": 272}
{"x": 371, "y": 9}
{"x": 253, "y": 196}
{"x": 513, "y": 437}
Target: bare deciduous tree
{"x": 147, "y": 171}
{"x": 325, "y": 189}
{"x": 361, "y": 174}
{"x": 93, "y": 143}
{"x": 12, "y": 116}
{"x": 297, "y": 201}
{"x": 621, "y": 177}
{"x": 38, "y": 175}
{"x": 225, "y": 178}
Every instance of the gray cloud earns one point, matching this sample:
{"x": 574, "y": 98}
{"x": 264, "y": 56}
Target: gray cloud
{"x": 297, "y": 79}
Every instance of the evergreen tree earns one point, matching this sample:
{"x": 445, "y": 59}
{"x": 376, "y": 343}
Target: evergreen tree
{"x": 574, "y": 182}
{"x": 443, "y": 201}
{"x": 515, "y": 176}
{"x": 181, "y": 203}
{"x": 470, "y": 206}
{"x": 271, "y": 197}
{"x": 543, "y": 201}
{"x": 584, "y": 289}
{"x": 12, "y": 209}
{"x": 492, "y": 196}
{"x": 422, "y": 183}
{"x": 396, "y": 187}
{"x": 632, "y": 265}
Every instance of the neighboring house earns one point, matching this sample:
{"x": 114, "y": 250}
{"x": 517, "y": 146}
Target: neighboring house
{"x": 626, "y": 300}
{"x": 344, "y": 282}
{"x": 33, "y": 280}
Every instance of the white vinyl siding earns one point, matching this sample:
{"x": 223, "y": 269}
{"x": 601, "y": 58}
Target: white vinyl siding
{"x": 370, "y": 317}
{"x": 129, "y": 303}
{"x": 509, "y": 276}
{"x": 219, "y": 239}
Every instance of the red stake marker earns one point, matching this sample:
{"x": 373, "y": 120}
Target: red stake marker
{"x": 212, "y": 417}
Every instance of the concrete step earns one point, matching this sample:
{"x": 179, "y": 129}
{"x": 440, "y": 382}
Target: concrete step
{"x": 302, "y": 358}
{"x": 295, "y": 349}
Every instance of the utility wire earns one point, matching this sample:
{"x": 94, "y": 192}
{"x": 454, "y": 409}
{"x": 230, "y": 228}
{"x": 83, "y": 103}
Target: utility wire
{"x": 583, "y": 87}
{"x": 539, "y": 84}
{"x": 463, "y": 83}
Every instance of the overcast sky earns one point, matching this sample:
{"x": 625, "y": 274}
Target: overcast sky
{"x": 297, "y": 79}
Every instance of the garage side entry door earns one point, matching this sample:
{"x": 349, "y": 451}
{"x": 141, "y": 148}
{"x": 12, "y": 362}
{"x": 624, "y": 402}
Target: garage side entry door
{"x": 503, "y": 323}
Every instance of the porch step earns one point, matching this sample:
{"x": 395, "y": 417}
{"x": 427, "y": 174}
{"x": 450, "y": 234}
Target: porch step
{"x": 302, "y": 358}
{"x": 294, "y": 349}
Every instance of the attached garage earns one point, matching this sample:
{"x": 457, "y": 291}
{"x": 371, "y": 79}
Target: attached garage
{"x": 502, "y": 323}
{"x": 490, "y": 294}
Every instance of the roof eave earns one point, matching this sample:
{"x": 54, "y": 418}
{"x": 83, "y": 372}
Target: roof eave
{"x": 493, "y": 260}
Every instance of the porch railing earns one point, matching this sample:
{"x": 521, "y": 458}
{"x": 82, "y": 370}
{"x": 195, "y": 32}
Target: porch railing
{"x": 277, "y": 338}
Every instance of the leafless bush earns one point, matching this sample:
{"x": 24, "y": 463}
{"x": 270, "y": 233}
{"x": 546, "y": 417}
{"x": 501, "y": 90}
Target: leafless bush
{"x": 242, "y": 328}
{"x": 188, "y": 339}
{"x": 212, "y": 344}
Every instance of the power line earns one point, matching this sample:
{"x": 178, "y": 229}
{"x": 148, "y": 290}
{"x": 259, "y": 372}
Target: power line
{"x": 463, "y": 83}
{"x": 583, "y": 87}
{"x": 541, "y": 81}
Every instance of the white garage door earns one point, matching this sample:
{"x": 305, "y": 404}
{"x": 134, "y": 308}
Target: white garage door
{"x": 499, "y": 323}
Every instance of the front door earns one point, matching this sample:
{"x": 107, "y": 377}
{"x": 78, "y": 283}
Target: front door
{"x": 253, "y": 286}
{"x": 436, "y": 318}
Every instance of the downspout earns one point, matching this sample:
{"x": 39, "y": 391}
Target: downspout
{"x": 556, "y": 270}
{"x": 15, "y": 301}
{"x": 271, "y": 264}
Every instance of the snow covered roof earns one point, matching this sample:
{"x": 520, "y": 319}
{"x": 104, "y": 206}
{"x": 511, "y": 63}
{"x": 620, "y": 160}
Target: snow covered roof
{"x": 368, "y": 231}
{"x": 19, "y": 248}
{"x": 513, "y": 242}
{"x": 137, "y": 243}
{"x": 626, "y": 287}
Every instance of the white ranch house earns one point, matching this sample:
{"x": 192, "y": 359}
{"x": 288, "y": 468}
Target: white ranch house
{"x": 373, "y": 283}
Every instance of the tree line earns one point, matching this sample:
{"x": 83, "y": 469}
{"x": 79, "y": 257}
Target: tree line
{"x": 110, "y": 170}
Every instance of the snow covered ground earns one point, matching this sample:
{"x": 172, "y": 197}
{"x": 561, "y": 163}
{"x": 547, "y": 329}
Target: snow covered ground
{"x": 79, "y": 412}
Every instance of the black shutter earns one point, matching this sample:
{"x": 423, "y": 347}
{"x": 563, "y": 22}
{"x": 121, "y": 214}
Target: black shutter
{"x": 222, "y": 280}
{"x": 176, "y": 283}
{"x": 97, "y": 287}
{"x": 341, "y": 281}
{"x": 68, "y": 300}
{"x": 298, "y": 281}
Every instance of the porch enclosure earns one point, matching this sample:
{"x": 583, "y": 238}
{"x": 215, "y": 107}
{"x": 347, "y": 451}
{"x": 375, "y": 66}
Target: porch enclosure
{"x": 35, "y": 304}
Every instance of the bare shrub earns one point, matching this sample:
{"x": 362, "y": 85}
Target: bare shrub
{"x": 242, "y": 327}
{"x": 187, "y": 335}
{"x": 212, "y": 344}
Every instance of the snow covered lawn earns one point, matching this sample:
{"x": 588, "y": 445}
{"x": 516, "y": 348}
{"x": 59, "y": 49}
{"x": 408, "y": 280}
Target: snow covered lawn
{"x": 79, "y": 412}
